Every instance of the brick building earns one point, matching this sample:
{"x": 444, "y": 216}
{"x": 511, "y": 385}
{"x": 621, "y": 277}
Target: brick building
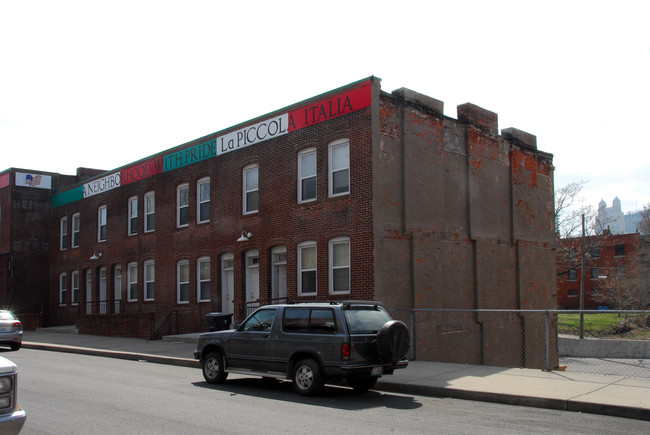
{"x": 616, "y": 271}
{"x": 352, "y": 194}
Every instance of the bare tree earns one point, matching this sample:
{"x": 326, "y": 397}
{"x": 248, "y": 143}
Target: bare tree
{"x": 569, "y": 208}
{"x": 644, "y": 225}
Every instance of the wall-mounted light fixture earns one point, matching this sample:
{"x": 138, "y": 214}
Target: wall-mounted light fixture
{"x": 244, "y": 236}
{"x": 96, "y": 256}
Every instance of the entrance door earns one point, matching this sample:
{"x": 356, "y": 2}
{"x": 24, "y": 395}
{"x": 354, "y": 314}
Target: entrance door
{"x": 102, "y": 290}
{"x": 252, "y": 280}
{"x": 227, "y": 283}
{"x": 117, "y": 288}
{"x": 279, "y": 274}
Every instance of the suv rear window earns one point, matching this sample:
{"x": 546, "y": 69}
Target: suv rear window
{"x": 365, "y": 319}
{"x": 309, "y": 320}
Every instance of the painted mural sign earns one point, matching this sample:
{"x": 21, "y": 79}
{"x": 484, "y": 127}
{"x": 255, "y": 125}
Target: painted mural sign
{"x": 340, "y": 104}
{"x": 37, "y": 181}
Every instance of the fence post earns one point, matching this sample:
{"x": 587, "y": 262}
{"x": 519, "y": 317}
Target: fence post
{"x": 548, "y": 344}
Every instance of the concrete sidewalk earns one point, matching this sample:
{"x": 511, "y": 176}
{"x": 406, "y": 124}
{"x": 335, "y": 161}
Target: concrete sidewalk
{"x": 598, "y": 394}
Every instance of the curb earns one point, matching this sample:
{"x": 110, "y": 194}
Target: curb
{"x": 131, "y": 356}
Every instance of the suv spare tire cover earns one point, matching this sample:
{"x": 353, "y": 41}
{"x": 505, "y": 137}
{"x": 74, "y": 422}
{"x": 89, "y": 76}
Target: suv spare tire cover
{"x": 393, "y": 341}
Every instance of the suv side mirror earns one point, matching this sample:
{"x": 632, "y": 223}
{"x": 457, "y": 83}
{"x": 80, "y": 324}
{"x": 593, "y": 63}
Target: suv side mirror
{"x": 236, "y": 325}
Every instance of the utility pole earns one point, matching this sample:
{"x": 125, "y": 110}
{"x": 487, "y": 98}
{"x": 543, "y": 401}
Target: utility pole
{"x": 582, "y": 282}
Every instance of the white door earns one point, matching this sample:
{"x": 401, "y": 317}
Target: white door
{"x": 279, "y": 274}
{"x": 252, "y": 280}
{"x": 102, "y": 290}
{"x": 117, "y": 286}
{"x": 227, "y": 284}
{"x": 89, "y": 291}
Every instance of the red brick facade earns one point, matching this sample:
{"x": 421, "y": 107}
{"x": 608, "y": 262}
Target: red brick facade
{"x": 437, "y": 213}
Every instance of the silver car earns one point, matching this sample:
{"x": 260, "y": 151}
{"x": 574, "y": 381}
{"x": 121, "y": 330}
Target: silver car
{"x": 11, "y": 330}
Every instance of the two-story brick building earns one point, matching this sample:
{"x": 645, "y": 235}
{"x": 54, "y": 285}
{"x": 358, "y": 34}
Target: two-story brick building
{"x": 352, "y": 194}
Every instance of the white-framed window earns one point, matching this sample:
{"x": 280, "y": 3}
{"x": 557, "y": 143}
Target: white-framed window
{"x": 149, "y": 212}
{"x": 149, "y": 280}
{"x": 76, "y": 226}
{"x": 339, "y": 265}
{"x": 63, "y": 240}
{"x": 133, "y": 215}
{"x": 203, "y": 279}
{"x": 307, "y": 175}
{"x": 339, "y": 164}
{"x": 88, "y": 274}
{"x": 63, "y": 288}
{"x": 307, "y": 268}
{"x": 132, "y": 277}
{"x": 101, "y": 223}
{"x": 183, "y": 205}
{"x": 251, "y": 189}
{"x": 183, "y": 281}
{"x": 75, "y": 288}
{"x": 203, "y": 200}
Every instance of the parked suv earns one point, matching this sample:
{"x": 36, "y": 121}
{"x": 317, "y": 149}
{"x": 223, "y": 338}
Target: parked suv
{"x": 309, "y": 343}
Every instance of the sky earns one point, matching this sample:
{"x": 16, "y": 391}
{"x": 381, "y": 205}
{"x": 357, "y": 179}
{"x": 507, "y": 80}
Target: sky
{"x": 101, "y": 84}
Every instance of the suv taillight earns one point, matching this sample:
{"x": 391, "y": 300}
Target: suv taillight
{"x": 345, "y": 352}
{"x": 16, "y": 325}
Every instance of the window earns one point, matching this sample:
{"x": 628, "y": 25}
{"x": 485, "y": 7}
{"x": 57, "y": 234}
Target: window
{"x": 132, "y": 276}
{"x": 149, "y": 279}
{"x": 76, "y": 225}
{"x": 339, "y": 273}
{"x": 619, "y": 251}
{"x": 573, "y": 293}
{"x": 260, "y": 322}
{"x": 307, "y": 175}
{"x": 251, "y": 189}
{"x": 101, "y": 223}
{"x": 149, "y": 212}
{"x": 183, "y": 205}
{"x": 133, "y": 215}
{"x": 63, "y": 245}
{"x": 595, "y": 272}
{"x": 317, "y": 321}
{"x": 63, "y": 288}
{"x": 572, "y": 254}
{"x": 594, "y": 252}
{"x": 339, "y": 156}
{"x": 203, "y": 203}
{"x": 620, "y": 271}
{"x": 307, "y": 268}
{"x": 75, "y": 288}
{"x": 183, "y": 281}
{"x": 203, "y": 278}
{"x": 573, "y": 274}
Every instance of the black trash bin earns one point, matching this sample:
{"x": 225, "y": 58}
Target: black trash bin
{"x": 218, "y": 321}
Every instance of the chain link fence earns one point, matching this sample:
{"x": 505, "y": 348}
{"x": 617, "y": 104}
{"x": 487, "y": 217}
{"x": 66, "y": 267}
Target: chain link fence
{"x": 612, "y": 343}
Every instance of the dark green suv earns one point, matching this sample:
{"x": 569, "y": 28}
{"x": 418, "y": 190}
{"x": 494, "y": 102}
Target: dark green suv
{"x": 309, "y": 343}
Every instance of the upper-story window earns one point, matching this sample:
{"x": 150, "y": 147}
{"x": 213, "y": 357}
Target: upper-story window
{"x": 339, "y": 273}
{"x": 183, "y": 205}
{"x": 133, "y": 215}
{"x": 619, "y": 250}
{"x": 76, "y": 226}
{"x": 594, "y": 252}
{"x": 573, "y": 275}
{"x": 339, "y": 164}
{"x": 307, "y": 175}
{"x": 203, "y": 202}
{"x": 251, "y": 189}
{"x": 307, "y": 268}
{"x": 101, "y": 223}
{"x": 63, "y": 241}
{"x": 149, "y": 211}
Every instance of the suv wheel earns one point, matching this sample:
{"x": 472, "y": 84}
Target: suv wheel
{"x": 307, "y": 379}
{"x": 213, "y": 368}
{"x": 393, "y": 341}
{"x": 362, "y": 383}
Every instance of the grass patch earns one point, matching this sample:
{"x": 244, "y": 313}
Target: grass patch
{"x": 603, "y": 325}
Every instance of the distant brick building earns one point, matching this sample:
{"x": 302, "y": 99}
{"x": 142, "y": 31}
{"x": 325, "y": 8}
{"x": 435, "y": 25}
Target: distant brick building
{"x": 353, "y": 194}
{"x": 616, "y": 272}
